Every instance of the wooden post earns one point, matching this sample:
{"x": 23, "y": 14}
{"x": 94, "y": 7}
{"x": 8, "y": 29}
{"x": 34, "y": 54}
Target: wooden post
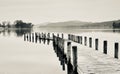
{"x": 57, "y": 35}
{"x": 81, "y": 40}
{"x": 90, "y": 42}
{"x": 75, "y": 38}
{"x": 78, "y": 39}
{"x": 69, "y": 37}
{"x": 69, "y": 65}
{"x": 68, "y": 51}
{"x": 44, "y": 36}
{"x": 116, "y": 50}
{"x": 48, "y": 35}
{"x": 36, "y": 37}
{"x": 74, "y": 49}
{"x": 53, "y": 36}
{"x": 62, "y": 36}
{"x": 24, "y": 37}
{"x": 85, "y": 39}
{"x": 72, "y": 37}
{"x": 39, "y": 38}
{"x": 105, "y": 47}
{"x": 32, "y": 37}
{"x": 96, "y": 44}
{"x": 27, "y": 37}
{"x": 63, "y": 54}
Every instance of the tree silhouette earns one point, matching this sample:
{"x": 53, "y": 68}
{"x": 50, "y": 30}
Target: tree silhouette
{"x": 21, "y": 24}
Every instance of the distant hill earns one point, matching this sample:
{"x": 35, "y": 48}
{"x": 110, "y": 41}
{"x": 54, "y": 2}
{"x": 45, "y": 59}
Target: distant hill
{"x": 79, "y": 24}
{"x": 65, "y": 24}
{"x": 102, "y": 25}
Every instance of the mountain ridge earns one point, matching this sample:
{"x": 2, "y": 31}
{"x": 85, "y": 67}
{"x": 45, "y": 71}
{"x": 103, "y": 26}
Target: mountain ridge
{"x": 81, "y": 24}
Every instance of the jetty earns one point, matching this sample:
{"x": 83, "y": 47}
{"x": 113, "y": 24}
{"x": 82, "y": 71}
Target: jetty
{"x": 80, "y": 54}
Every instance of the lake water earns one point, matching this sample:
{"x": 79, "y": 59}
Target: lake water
{"x": 23, "y": 57}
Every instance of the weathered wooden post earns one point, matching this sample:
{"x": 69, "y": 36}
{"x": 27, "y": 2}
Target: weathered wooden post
{"x": 42, "y": 35}
{"x": 105, "y": 47}
{"x": 90, "y": 42}
{"x": 53, "y": 36}
{"x": 68, "y": 51}
{"x": 62, "y": 36}
{"x": 96, "y": 44}
{"x": 69, "y": 65}
{"x": 75, "y": 38}
{"x": 32, "y": 37}
{"x": 81, "y": 40}
{"x": 74, "y": 50}
{"x": 63, "y": 54}
{"x": 27, "y": 37}
{"x": 85, "y": 41}
{"x": 57, "y": 35}
{"x": 57, "y": 42}
{"x": 39, "y": 38}
{"x": 78, "y": 39}
{"x": 48, "y": 36}
{"x": 69, "y": 37}
{"x": 24, "y": 37}
{"x": 72, "y": 37}
{"x": 116, "y": 50}
{"x": 36, "y": 37}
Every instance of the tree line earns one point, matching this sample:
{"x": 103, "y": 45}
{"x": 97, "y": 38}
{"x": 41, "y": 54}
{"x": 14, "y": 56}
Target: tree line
{"x": 116, "y": 25}
{"x": 16, "y": 24}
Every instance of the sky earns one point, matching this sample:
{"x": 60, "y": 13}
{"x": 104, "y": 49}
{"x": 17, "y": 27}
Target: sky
{"x": 40, "y": 11}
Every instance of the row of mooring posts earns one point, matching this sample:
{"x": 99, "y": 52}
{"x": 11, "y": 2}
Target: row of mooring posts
{"x": 65, "y": 58}
{"x": 37, "y": 37}
{"x": 79, "y": 39}
{"x": 58, "y": 44}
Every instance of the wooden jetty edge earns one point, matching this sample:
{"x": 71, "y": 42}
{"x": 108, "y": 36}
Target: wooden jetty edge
{"x": 91, "y": 61}
{"x": 79, "y": 56}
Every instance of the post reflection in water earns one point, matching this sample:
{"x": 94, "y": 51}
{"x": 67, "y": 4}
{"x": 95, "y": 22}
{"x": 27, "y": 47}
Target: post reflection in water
{"x": 37, "y": 37}
{"x": 116, "y": 30}
{"x": 58, "y": 47}
{"x": 18, "y": 32}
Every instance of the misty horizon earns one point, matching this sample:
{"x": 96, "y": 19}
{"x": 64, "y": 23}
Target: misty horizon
{"x": 40, "y": 11}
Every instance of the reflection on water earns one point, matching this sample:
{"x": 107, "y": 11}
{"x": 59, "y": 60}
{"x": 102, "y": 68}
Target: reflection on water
{"x": 34, "y": 54}
{"x": 116, "y": 30}
{"x": 37, "y": 37}
{"x": 17, "y": 31}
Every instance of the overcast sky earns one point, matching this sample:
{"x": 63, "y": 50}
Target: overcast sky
{"x": 39, "y": 11}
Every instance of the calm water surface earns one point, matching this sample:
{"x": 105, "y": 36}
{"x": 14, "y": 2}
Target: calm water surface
{"x": 22, "y": 57}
